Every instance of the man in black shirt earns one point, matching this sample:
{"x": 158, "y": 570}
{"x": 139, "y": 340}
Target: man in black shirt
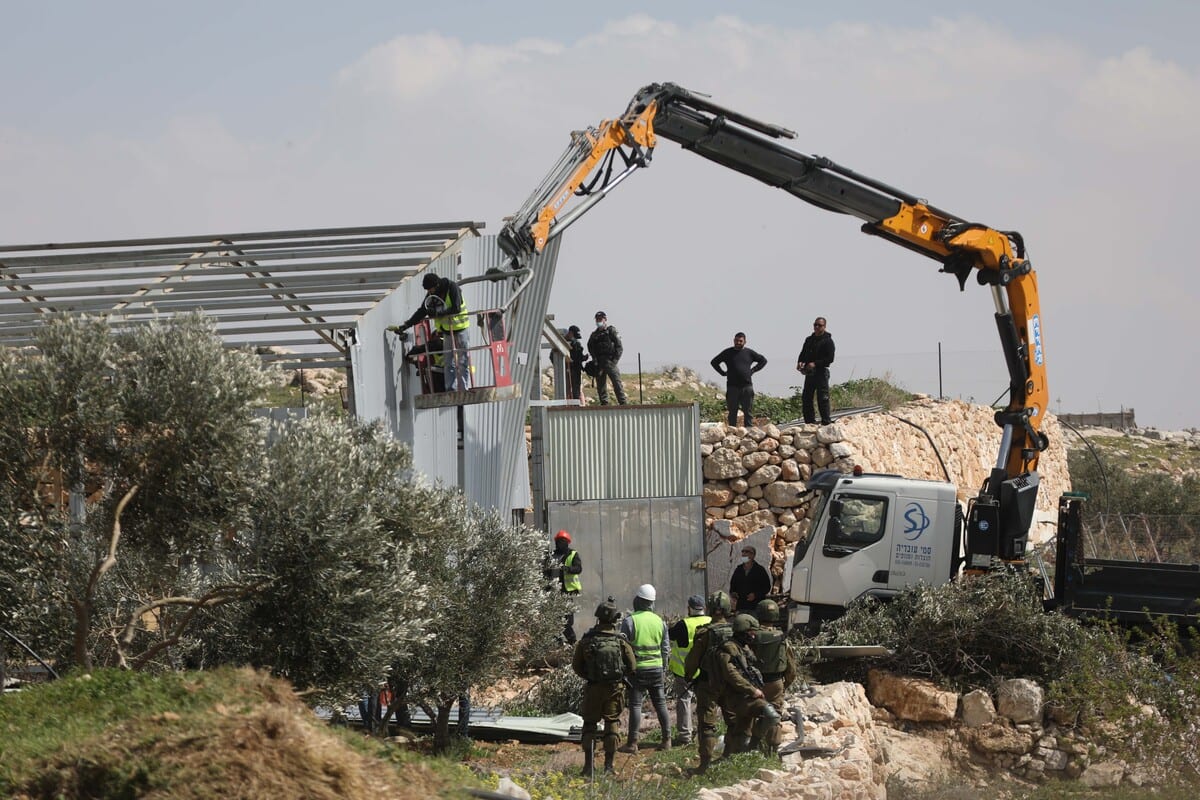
{"x": 749, "y": 583}
{"x": 739, "y": 362}
{"x": 813, "y": 363}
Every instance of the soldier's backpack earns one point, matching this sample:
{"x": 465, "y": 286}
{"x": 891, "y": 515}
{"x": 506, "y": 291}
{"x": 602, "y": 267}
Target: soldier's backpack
{"x": 606, "y": 659}
{"x": 771, "y": 650}
{"x": 716, "y": 634}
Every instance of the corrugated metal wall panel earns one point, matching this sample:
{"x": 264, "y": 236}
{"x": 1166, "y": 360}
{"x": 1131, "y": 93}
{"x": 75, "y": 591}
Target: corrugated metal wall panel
{"x": 620, "y": 452}
{"x": 495, "y": 466}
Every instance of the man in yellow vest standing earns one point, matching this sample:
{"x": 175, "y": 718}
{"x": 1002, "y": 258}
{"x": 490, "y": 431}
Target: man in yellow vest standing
{"x": 647, "y": 632}
{"x": 683, "y": 636}
{"x": 563, "y": 565}
{"x": 444, "y": 305}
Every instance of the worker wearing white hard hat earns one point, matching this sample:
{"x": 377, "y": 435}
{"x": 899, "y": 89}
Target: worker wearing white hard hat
{"x": 648, "y": 633}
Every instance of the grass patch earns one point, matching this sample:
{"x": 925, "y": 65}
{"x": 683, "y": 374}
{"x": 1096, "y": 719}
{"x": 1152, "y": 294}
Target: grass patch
{"x": 214, "y": 734}
{"x": 646, "y": 776}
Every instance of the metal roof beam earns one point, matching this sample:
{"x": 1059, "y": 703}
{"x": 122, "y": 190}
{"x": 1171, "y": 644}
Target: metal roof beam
{"x": 406, "y": 265}
{"x": 460, "y": 226}
{"x": 223, "y": 254}
{"x": 226, "y": 287}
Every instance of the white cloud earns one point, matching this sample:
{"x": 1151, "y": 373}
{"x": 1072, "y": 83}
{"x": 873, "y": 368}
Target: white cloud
{"x": 1091, "y": 158}
{"x": 1135, "y": 102}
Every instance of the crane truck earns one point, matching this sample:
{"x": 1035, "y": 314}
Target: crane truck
{"x": 872, "y": 534}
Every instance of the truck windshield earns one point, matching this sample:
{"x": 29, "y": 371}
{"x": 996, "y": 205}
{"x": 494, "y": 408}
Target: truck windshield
{"x": 802, "y": 545}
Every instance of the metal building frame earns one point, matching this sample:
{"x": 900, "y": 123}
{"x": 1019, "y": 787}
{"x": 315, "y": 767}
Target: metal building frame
{"x": 300, "y": 290}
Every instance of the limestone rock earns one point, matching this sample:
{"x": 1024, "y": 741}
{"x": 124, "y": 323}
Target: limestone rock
{"x": 828, "y": 434}
{"x": 507, "y": 788}
{"x": 1103, "y": 773}
{"x": 724, "y": 529}
{"x": 997, "y": 738}
{"x": 784, "y": 494}
{"x": 977, "y": 709}
{"x": 723, "y": 464}
{"x": 764, "y": 476}
{"x": 754, "y": 460}
{"x": 1020, "y": 700}
{"x": 748, "y": 524}
{"x": 789, "y": 470}
{"x": 717, "y": 495}
{"x": 911, "y": 698}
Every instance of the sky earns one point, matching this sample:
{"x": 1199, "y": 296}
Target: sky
{"x": 1075, "y": 123}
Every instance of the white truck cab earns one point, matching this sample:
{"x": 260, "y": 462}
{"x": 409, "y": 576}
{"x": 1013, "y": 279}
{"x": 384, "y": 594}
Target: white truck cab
{"x": 874, "y": 535}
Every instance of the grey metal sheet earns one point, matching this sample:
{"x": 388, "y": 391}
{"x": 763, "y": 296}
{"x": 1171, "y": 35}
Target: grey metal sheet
{"x": 625, "y": 543}
{"x": 621, "y": 452}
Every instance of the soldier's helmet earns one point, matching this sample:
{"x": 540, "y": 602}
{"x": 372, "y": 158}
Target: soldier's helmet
{"x": 718, "y": 601}
{"x": 767, "y": 611}
{"x": 607, "y": 611}
{"x": 744, "y": 623}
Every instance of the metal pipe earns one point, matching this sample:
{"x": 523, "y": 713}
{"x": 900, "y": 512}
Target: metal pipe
{"x": 579, "y": 210}
{"x": 1005, "y": 447}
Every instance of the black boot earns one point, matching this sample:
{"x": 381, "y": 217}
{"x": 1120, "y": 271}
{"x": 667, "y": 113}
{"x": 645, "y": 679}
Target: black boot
{"x": 707, "y": 745}
{"x": 589, "y": 755}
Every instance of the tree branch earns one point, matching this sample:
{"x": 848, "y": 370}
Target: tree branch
{"x": 217, "y": 597}
{"x": 110, "y": 560}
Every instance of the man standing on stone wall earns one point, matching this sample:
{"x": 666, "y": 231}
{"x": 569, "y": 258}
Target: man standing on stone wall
{"x": 740, "y": 363}
{"x": 605, "y": 348}
{"x": 813, "y": 363}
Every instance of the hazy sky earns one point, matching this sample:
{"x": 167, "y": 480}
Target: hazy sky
{"x": 1075, "y": 123}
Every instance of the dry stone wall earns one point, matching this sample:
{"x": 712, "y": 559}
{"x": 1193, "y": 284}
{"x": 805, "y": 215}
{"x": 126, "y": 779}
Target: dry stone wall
{"x": 754, "y": 477}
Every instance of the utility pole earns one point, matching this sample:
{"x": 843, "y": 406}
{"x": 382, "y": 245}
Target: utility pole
{"x": 940, "y": 395}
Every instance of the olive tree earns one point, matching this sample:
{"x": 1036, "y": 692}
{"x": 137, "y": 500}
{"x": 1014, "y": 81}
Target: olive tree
{"x": 340, "y": 599}
{"x": 188, "y": 539}
{"x": 489, "y": 608}
{"x": 125, "y": 460}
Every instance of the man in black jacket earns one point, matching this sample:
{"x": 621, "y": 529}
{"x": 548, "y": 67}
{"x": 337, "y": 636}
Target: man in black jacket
{"x": 444, "y": 305}
{"x": 740, "y": 362}
{"x": 605, "y": 347}
{"x": 575, "y": 371}
{"x": 813, "y": 363}
{"x": 750, "y": 582}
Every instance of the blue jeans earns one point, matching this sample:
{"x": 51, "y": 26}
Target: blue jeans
{"x": 458, "y": 366}
{"x": 648, "y": 681}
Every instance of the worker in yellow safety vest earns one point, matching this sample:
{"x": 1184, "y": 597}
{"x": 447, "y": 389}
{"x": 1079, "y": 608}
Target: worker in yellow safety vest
{"x": 648, "y": 634}
{"x": 683, "y": 636}
{"x": 562, "y": 567}
{"x": 444, "y": 305}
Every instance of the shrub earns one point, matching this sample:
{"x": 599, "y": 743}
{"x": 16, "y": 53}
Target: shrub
{"x": 555, "y": 692}
{"x": 967, "y": 633}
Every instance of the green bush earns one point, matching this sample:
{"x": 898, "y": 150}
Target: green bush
{"x": 857, "y": 393}
{"x": 968, "y": 633}
{"x": 555, "y": 692}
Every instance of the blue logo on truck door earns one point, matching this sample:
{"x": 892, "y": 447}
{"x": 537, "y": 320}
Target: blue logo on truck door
{"x": 913, "y": 555}
{"x": 916, "y": 521}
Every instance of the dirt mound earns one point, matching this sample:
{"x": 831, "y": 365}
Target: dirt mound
{"x": 269, "y": 746}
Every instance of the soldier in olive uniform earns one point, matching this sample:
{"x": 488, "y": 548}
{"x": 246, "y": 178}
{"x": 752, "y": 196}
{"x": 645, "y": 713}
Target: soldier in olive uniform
{"x": 700, "y": 659}
{"x": 741, "y": 688}
{"x": 604, "y": 659}
{"x": 777, "y": 663}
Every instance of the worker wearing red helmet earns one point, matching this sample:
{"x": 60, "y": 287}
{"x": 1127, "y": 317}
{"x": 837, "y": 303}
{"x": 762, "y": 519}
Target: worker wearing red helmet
{"x": 563, "y": 566}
